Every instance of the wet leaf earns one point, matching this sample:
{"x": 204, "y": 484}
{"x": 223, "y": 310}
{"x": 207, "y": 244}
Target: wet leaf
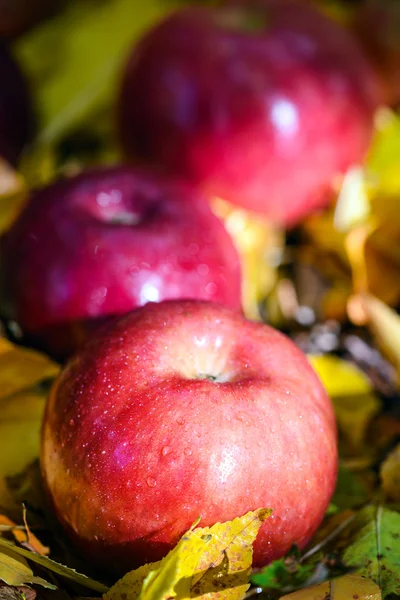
{"x": 390, "y": 475}
{"x": 212, "y": 562}
{"x": 374, "y": 548}
{"x": 14, "y": 570}
{"x": 343, "y": 588}
{"x": 352, "y": 395}
{"x": 52, "y": 566}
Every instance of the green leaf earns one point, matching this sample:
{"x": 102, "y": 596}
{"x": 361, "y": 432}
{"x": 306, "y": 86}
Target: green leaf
{"x": 14, "y": 570}
{"x": 283, "y": 574}
{"x": 350, "y": 492}
{"x": 375, "y": 547}
{"x": 54, "y": 567}
{"x": 91, "y": 41}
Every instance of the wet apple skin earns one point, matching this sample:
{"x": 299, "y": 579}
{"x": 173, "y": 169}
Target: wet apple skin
{"x": 266, "y": 119}
{"x": 135, "y": 447}
{"x": 107, "y": 241}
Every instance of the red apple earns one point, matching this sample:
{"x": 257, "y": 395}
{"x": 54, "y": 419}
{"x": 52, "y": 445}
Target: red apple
{"x": 185, "y": 409}
{"x": 109, "y": 240}
{"x": 263, "y": 103}
{"x": 16, "y": 120}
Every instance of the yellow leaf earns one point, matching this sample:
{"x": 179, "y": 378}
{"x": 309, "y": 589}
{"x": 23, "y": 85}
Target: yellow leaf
{"x": 12, "y": 194}
{"x": 342, "y": 588}
{"x": 390, "y": 475}
{"x": 21, "y": 368}
{"x": 14, "y": 570}
{"x": 212, "y": 562}
{"x": 20, "y": 424}
{"x": 352, "y": 395}
{"x": 259, "y": 244}
{"x": 385, "y": 325}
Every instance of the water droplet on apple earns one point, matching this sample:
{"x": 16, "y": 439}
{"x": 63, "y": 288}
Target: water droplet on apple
{"x": 166, "y": 450}
{"x": 72, "y": 422}
{"x": 151, "y": 482}
{"x": 187, "y": 452}
{"x": 180, "y": 421}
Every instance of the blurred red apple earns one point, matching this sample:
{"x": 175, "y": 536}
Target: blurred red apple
{"x": 263, "y": 103}
{"x": 106, "y": 241}
{"x": 185, "y": 409}
{"x": 16, "y": 119}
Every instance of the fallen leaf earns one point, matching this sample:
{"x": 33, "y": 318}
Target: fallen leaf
{"x": 12, "y": 194}
{"x": 384, "y": 323}
{"x": 390, "y": 475}
{"x": 260, "y": 246}
{"x": 50, "y": 565}
{"x": 22, "y": 368}
{"x": 211, "y": 562}
{"x": 350, "y": 491}
{"x": 20, "y": 424}
{"x": 8, "y": 592}
{"x": 352, "y": 395}
{"x": 374, "y": 547}
{"x": 14, "y": 570}
{"x": 23, "y": 535}
{"x": 342, "y": 588}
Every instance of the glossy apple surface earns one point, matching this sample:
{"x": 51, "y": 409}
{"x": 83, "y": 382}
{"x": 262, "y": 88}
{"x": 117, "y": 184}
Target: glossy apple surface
{"x": 264, "y": 103}
{"x": 16, "y": 120}
{"x": 109, "y": 240}
{"x": 186, "y": 409}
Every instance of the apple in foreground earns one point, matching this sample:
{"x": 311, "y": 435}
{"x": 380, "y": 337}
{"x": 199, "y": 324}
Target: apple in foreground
{"x": 180, "y": 410}
{"x": 16, "y": 116}
{"x": 263, "y": 103}
{"x": 106, "y": 241}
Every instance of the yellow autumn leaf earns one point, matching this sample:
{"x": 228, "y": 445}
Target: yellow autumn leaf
{"x": 390, "y": 475}
{"x": 21, "y": 408}
{"x": 352, "y": 395}
{"x": 384, "y": 323}
{"x": 259, "y": 244}
{"x": 342, "y": 588}
{"x": 14, "y": 570}
{"x": 211, "y": 562}
{"x": 12, "y": 194}
{"x": 22, "y": 368}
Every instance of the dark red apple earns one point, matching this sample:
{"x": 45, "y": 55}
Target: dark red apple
{"x": 263, "y": 103}
{"x": 185, "y": 409}
{"x": 109, "y": 240}
{"x": 16, "y": 119}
